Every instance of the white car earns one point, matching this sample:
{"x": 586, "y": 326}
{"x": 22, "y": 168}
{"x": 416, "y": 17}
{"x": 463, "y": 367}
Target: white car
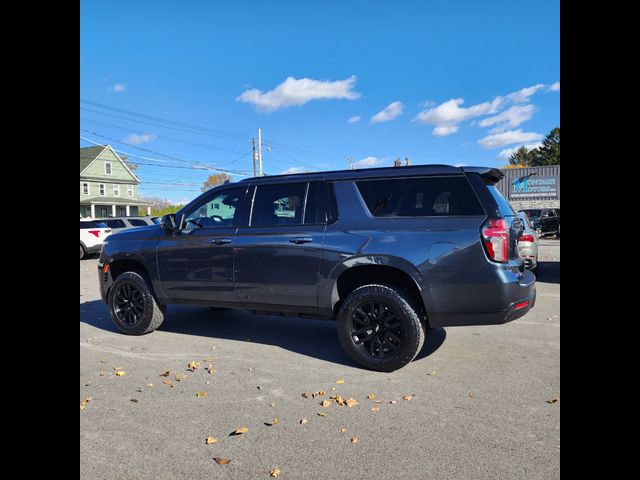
{"x": 92, "y": 234}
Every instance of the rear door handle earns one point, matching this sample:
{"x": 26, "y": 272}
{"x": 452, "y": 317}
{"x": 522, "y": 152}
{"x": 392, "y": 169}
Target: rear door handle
{"x": 299, "y": 240}
{"x": 220, "y": 241}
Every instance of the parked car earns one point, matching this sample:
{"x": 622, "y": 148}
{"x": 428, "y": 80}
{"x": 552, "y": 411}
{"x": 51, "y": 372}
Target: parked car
{"x": 528, "y": 243}
{"x": 92, "y": 234}
{"x": 545, "y": 220}
{"x": 387, "y": 252}
{"x": 117, "y": 224}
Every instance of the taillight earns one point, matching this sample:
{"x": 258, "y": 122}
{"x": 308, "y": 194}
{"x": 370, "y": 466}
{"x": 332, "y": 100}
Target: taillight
{"x": 95, "y": 232}
{"x": 495, "y": 236}
{"x": 526, "y": 238}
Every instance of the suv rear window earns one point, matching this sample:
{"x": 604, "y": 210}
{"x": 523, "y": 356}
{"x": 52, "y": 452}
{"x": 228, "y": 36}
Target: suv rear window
{"x": 504, "y": 206}
{"x": 419, "y": 197}
{"x": 92, "y": 225}
{"x": 137, "y": 222}
{"x": 115, "y": 224}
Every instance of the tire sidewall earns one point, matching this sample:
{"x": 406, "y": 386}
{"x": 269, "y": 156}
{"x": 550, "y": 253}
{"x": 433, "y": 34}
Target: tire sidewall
{"x": 149, "y": 303}
{"x": 413, "y": 329}
{"x": 82, "y": 252}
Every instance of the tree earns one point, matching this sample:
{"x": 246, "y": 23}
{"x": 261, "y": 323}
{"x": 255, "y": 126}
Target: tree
{"x": 522, "y": 157}
{"x": 549, "y": 152}
{"x": 213, "y": 180}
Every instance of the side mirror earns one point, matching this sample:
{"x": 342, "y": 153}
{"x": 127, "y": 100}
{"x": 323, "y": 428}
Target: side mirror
{"x": 168, "y": 222}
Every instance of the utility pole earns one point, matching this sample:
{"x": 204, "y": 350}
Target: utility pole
{"x": 350, "y": 161}
{"x": 260, "y": 151}
{"x": 253, "y": 140}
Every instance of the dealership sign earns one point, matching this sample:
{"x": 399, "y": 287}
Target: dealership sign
{"x": 534, "y": 186}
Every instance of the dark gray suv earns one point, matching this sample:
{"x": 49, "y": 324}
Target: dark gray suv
{"x": 387, "y": 252}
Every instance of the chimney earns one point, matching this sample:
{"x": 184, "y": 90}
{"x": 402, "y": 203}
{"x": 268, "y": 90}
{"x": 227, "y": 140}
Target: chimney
{"x": 397, "y": 162}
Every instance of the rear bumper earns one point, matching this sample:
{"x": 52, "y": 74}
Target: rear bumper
{"x": 519, "y": 297}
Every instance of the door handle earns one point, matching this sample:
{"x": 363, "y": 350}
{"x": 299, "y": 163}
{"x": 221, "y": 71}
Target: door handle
{"x": 299, "y": 240}
{"x": 220, "y": 241}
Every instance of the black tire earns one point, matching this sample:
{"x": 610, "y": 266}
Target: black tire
{"x": 143, "y": 314}
{"x": 558, "y": 232}
{"x": 82, "y": 252}
{"x": 393, "y": 301}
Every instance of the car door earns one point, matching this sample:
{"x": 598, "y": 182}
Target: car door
{"x": 195, "y": 262}
{"x": 277, "y": 255}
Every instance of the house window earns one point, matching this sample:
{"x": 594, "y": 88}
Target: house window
{"x": 130, "y": 190}
{"x": 107, "y": 168}
{"x": 102, "y": 190}
{"x": 116, "y": 190}
{"x": 85, "y": 188}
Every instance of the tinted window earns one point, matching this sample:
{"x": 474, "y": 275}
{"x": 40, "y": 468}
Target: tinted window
{"x": 156, "y": 220}
{"x": 280, "y": 204}
{"x": 533, "y": 213}
{"x": 115, "y": 224}
{"x": 332, "y": 205}
{"x": 311, "y": 210}
{"x": 137, "y": 222}
{"x": 420, "y": 197}
{"x": 220, "y": 210}
{"x": 92, "y": 225}
{"x": 504, "y": 207}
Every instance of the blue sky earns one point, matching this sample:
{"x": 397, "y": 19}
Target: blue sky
{"x": 457, "y": 82}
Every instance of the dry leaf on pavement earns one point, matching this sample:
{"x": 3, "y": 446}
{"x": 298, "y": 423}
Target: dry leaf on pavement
{"x": 354, "y": 440}
{"x": 240, "y": 431}
{"x": 274, "y": 472}
{"x": 193, "y": 366}
{"x": 120, "y": 373}
{"x": 322, "y": 414}
{"x": 84, "y": 402}
{"x": 304, "y": 395}
{"x": 303, "y": 421}
{"x": 393, "y": 402}
{"x": 553, "y": 400}
{"x": 168, "y": 382}
{"x": 201, "y": 394}
{"x": 407, "y": 397}
{"x": 343, "y": 430}
{"x": 371, "y": 396}
{"x": 273, "y": 422}
{"x": 352, "y": 402}
{"x": 375, "y": 409}
{"x": 222, "y": 461}
{"x": 325, "y": 403}
{"x": 166, "y": 373}
{"x": 210, "y": 440}
{"x": 340, "y": 381}
{"x": 134, "y": 400}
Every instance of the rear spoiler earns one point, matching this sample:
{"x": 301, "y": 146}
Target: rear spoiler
{"x": 494, "y": 175}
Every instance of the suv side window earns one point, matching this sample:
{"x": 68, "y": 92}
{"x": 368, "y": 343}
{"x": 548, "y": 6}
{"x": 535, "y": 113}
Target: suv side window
{"x": 278, "y": 204}
{"x": 220, "y": 210}
{"x": 115, "y": 224}
{"x": 419, "y": 197}
{"x": 137, "y": 222}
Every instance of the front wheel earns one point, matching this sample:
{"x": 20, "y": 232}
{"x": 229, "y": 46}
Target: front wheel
{"x": 379, "y": 327}
{"x": 82, "y": 252}
{"x": 132, "y": 305}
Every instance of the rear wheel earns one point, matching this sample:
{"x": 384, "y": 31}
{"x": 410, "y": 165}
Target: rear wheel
{"x": 82, "y": 252}
{"x": 133, "y": 307}
{"x": 558, "y": 232}
{"x": 379, "y": 327}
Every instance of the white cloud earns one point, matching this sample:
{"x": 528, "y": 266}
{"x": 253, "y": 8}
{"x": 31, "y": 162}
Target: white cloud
{"x": 354, "y": 119}
{"x": 368, "y": 162}
{"x": 135, "y": 139}
{"x": 508, "y": 137}
{"x": 554, "y": 87}
{"x": 390, "y": 112}
{"x": 118, "y": 87}
{"x": 460, "y": 165}
{"x": 448, "y": 115}
{"x": 510, "y": 118}
{"x": 445, "y": 130}
{"x": 506, "y": 153}
{"x": 298, "y": 92}
{"x": 293, "y": 170}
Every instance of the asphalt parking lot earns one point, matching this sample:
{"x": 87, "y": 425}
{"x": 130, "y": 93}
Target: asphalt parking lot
{"x": 481, "y": 403}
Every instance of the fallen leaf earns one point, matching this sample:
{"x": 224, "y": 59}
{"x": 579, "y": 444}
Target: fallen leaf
{"x": 104, "y": 360}
{"x": 250, "y": 369}
{"x": 303, "y": 421}
{"x": 378, "y": 401}
{"x": 210, "y": 440}
{"x": 304, "y": 395}
{"x": 138, "y": 390}
{"x": 207, "y": 360}
{"x": 340, "y": 381}
{"x": 553, "y": 400}
{"x": 371, "y": 396}
{"x": 118, "y": 368}
{"x": 84, "y": 402}
{"x": 168, "y": 382}
{"x": 343, "y": 430}
{"x": 322, "y": 414}
{"x": 407, "y": 397}
{"x": 149, "y": 385}
{"x": 102, "y": 374}
{"x": 272, "y": 404}
{"x": 433, "y": 372}
{"x": 333, "y": 388}
{"x": 393, "y": 402}
{"x": 222, "y": 461}
{"x": 166, "y": 373}
{"x": 274, "y": 472}
{"x": 240, "y": 431}
{"x": 470, "y": 395}
{"x": 193, "y": 366}
{"x": 210, "y": 369}
{"x": 273, "y": 422}
{"x": 352, "y": 402}
{"x": 375, "y": 409}
{"x": 201, "y": 394}
{"x": 134, "y": 400}
{"x": 325, "y": 403}
{"x": 354, "y": 440}
{"x": 180, "y": 377}
{"x": 120, "y": 373}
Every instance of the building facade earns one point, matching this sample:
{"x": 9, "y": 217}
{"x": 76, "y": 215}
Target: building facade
{"x": 531, "y": 187}
{"x": 108, "y": 188}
